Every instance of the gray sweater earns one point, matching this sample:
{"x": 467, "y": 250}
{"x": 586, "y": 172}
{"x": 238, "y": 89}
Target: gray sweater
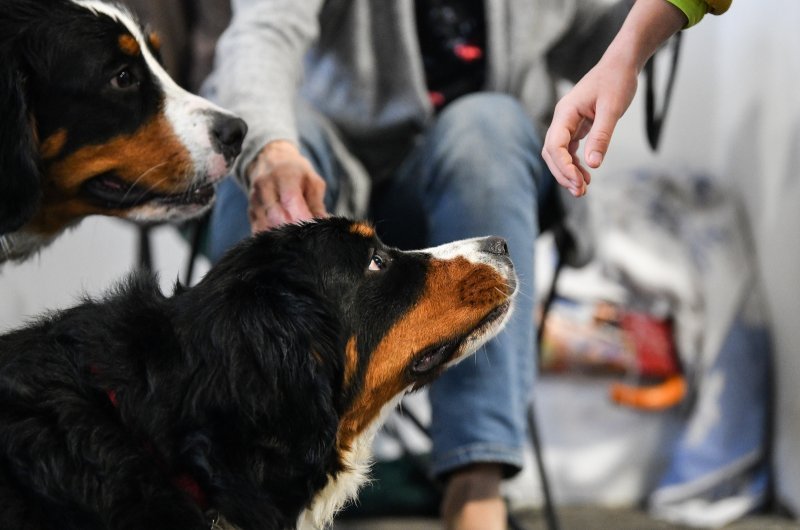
{"x": 358, "y": 62}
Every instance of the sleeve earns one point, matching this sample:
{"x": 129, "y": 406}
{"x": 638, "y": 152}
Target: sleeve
{"x": 258, "y": 65}
{"x": 696, "y": 9}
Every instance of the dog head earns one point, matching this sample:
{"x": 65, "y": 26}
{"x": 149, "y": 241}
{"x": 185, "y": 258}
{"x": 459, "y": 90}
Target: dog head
{"x": 93, "y": 124}
{"x": 364, "y": 322}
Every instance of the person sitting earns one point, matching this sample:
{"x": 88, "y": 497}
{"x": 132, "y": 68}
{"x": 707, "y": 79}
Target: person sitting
{"x": 425, "y": 116}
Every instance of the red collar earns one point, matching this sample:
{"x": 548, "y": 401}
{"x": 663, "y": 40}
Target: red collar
{"x": 183, "y": 481}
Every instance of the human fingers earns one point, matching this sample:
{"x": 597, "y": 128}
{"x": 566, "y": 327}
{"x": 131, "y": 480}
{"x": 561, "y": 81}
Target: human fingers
{"x": 264, "y": 208}
{"x": 598, "y": 139}
{"x": 302, "y": 196}
{"x": 556, "y": 151}
{"x": 315, "y": 196}
{"x": 586, "y": 177}
{"x": 293, "y": 201}
{"x": 285, "y": 188}
{"x": 582, "y": 187}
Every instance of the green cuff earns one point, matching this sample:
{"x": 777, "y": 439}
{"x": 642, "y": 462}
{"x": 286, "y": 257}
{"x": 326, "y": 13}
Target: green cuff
{"x": 693, "y": 9}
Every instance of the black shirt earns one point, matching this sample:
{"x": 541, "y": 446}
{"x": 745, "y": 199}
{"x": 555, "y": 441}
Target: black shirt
{"x": 452, "y": 37}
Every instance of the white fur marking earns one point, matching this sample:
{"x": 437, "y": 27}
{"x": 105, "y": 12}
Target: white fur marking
{"x": 344, "y": 487}
{"x": 190, "y": 115}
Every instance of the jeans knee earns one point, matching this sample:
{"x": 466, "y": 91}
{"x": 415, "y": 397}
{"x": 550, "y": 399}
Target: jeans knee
{"x": 487, "y": 142}
{"x": 493, "y": 117}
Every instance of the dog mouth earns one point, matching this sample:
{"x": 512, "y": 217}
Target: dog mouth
{"x": 111, "y": 192}
{"x": 432, "y": 359}
{"x": 486, "y": 324}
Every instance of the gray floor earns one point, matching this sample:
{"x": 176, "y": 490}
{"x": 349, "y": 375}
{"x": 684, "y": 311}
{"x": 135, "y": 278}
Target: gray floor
{"x": 575, "y": 519}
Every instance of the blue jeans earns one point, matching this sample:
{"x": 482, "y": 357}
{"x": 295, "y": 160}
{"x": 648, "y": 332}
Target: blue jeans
{"x": 476, "y": 171}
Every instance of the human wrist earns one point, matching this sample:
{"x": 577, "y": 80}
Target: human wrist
{"x": 278, "y": 149}
{"x": 648, "y": 25}
{"x": 622, "y": 57}
{"x": 271, "y": 154}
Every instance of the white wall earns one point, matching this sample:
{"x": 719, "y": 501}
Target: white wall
{"x": 736, "y": 114}
{"x": 86, "y": 260}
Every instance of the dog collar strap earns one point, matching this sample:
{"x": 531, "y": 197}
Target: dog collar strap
{"x": 183, "y": 481}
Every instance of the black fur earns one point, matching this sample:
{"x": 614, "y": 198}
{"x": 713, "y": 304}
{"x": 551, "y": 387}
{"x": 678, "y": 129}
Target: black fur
{"x": 55, "y": 62}
{"x": 20, "y": 172}
{"x": 58, "y": 64}
{"x": 237, "y": 382}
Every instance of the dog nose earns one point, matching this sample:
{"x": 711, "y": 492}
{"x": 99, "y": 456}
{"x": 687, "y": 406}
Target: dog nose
{"x": 227, "y": 135}
{"x": 495, "y": 245}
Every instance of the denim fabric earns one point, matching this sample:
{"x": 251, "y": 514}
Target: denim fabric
{"x": 476, "y": 171}
{"x": 720, "y": 469}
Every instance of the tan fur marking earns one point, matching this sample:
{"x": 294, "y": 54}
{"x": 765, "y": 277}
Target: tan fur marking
{"x": 362, "y": 229}
{"x": 34, "y": 126}
{"x": 317, "y": 357}
{"x": 155, "y": 40}
{"x": 351, "y": 361}
{"x": 53, "y": 144}
{"x": 458, "y": 294}
{"x": 129, "y": 45}
{"x": 153, "y": 157}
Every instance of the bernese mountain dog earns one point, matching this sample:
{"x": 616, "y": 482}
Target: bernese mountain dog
{"x": 251, "y": 398}
{"x": 92, "y": 124}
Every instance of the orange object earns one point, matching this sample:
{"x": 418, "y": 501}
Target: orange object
{"x": 656, "y": 397}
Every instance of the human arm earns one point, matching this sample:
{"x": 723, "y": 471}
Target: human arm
{"x": 595, "y": 104}
{"x": 258, "y": 65}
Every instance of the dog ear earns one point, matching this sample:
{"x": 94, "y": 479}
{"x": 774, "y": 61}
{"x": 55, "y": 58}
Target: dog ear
{"x": 20, "y": 173}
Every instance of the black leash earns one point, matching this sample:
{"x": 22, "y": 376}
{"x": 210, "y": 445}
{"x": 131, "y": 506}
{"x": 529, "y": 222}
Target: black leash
{"x": 654, "y": 120}
{"x": 564, "y": 243}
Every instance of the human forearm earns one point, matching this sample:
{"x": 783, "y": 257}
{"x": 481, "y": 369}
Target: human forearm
{"x": 649, "y": 24}
{"x": 258, "y": 64}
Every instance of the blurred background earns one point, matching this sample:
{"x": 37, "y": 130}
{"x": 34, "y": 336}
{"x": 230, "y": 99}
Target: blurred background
{"x": 734, "y": 121}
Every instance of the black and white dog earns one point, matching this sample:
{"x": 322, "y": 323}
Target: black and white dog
{"x": 92, "y": 124}
{"x": 251, "y": 398}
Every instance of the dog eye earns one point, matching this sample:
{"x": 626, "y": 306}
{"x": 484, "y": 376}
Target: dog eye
{"x": 376, "y": 263}
{"x": 124, "y": 80}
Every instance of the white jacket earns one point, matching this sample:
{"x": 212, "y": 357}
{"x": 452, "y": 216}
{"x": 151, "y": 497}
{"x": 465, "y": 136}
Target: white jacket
{"x": 358, "y": 62}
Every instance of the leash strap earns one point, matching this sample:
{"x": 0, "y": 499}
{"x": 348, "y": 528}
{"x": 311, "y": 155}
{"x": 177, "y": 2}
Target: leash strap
{"x": 654, "y": 119}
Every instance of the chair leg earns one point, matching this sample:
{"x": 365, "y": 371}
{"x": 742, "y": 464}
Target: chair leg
{"x": 198, "y": 231}
{"x": 145, "y": 255}
{"x": 551, "y": 518}
{"x": 563, "y": 241}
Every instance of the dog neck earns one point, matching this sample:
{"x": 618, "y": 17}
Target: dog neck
{"x": 184, "y": 481}
{"x": 344, "y": 487}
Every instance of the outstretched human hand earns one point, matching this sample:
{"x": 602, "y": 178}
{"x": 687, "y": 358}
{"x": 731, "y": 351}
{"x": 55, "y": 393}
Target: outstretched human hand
{"x": 284, "y": 188}
{"x": 595, "y": 104}
{"x": 590, "y": 110}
